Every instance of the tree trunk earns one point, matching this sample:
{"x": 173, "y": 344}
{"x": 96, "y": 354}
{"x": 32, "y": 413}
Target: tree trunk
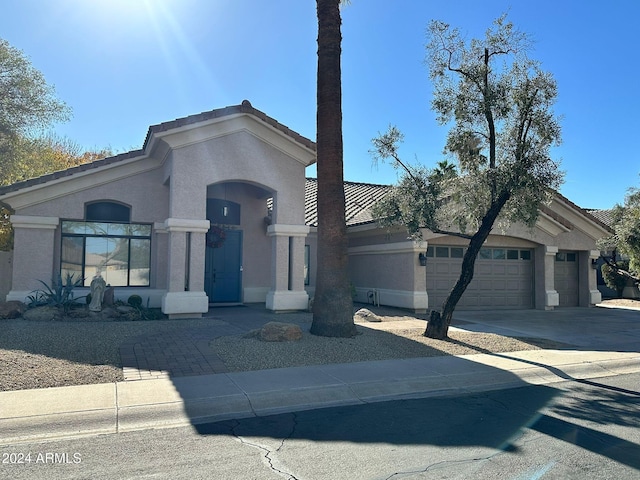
{"x": 333, "y": 305}
{"x": 438, "y": 324}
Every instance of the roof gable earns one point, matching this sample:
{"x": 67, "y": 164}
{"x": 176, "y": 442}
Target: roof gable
{"x": 245, "y": 109}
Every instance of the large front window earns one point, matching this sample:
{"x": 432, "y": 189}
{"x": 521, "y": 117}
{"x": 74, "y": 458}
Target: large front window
{"x": 119, "y": 252}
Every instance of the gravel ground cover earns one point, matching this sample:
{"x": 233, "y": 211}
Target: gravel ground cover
{"x": 51, "y": 354}
{"x": 55, "y": 354}
{"x": 243, "y": 354}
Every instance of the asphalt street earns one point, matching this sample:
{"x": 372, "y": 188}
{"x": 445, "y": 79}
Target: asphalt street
{"x": 570, "y": 430}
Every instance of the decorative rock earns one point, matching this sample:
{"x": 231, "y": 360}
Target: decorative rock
{"x": 43, "y": 314}
{"x": 12, "y": 309}
{"x": 109, "y": 313}
{"x": 280, "y": 332}
{"x": 109, "y": 296}
{"x": 252, "y": 333}
{"x": 367, "y": 315}
{"x": 124, "y": 309}
{"x": 78, "y": 313}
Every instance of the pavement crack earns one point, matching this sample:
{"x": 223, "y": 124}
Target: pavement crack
{"x": 443, "y": 463}
{"x": 267, "y": 452}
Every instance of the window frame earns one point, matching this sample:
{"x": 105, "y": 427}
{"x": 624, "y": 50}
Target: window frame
{"x": 128, "y": 237}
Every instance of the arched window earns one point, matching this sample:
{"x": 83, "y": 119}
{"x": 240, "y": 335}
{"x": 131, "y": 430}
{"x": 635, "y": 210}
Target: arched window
{"x": 107, "y": 212}
{"x": 107, "y": 244}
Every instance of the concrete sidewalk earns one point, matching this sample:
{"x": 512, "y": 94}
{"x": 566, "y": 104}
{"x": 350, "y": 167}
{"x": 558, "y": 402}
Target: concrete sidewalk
{"x": 33, "y": 415}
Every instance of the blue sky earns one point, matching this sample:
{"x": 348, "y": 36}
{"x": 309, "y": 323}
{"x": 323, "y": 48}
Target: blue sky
{"x": 123, "y": 65}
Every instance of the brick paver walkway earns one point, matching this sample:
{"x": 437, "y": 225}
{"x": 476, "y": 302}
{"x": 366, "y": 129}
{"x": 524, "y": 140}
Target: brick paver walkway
{"x": 186, "y": 351}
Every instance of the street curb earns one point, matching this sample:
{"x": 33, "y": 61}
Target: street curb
{"x": 45, "y": 414}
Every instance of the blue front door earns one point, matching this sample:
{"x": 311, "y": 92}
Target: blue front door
{"x": 223, "y": 269}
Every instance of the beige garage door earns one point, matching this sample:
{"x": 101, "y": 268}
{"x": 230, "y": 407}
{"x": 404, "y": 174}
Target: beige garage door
{"x": 503, "y": 277}
{"x": 566, "y": 278}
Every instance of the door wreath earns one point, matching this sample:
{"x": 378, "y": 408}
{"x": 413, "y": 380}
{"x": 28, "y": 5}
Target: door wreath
{"x": 216, "y": 237}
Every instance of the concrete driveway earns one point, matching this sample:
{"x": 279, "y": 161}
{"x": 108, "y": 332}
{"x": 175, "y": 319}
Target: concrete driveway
{"x": 595, "y": 328}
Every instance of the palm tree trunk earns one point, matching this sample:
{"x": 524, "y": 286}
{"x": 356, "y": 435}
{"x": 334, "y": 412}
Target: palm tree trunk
{"x": 333, "y": 306}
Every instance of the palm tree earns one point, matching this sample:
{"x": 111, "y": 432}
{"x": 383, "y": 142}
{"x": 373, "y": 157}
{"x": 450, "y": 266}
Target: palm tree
{"x": 333, "y": 305}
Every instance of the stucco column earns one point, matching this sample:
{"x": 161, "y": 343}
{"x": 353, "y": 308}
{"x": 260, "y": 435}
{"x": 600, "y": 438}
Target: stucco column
{"x": 196, "y": 260}
{"x": 185, "y": 297}
{"x": 546, "y": 296}
{"x": 33, "y": 254}
{"x": 296, "y": 263}
{"x": 281, "y": 297}
{"x": 590, "y": 295}
{"x": 176, "y": 261}
{"x": 421, "y": 296}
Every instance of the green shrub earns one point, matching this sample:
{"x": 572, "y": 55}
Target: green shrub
{"x": 613, "y": 279}
{"x": 135, "y": 301}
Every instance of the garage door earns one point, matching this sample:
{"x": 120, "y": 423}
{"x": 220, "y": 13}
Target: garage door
{"x": 566, "y": 278}
{"x": 503, "y": 277}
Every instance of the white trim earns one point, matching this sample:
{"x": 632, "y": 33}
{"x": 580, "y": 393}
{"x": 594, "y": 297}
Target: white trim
{"x": 386, "y": 248}
{"x": 287, "y": 300}
{"x": 595, "y": 297}
{"x": 255, "y": 294}
{"x": 283, "y": 230}
{"x": 551, "y": 298}
{"x": 185, "y": 304}
{"x": 549, "y": 225}
{"x": 160, "y": 227}
{"x": 585, "y": 224}
{"x": 550, "y": 250}
{"x": 186, "y": 225}
{"x": 18, "y": 295}
{"x": 32, "y": 221}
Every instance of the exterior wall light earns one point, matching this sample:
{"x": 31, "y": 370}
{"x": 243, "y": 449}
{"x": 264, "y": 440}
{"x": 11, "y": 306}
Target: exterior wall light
{"x": 422, "y": 258}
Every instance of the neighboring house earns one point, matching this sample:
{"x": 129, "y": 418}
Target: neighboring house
{"x": 215, "y": 208}
{"x": 631, "y": 291}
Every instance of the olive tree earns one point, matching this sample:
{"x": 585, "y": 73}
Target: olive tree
{"x": 623, "y": 264}
{"x": 498, "y": 105}
{"x": 27, "y": 106}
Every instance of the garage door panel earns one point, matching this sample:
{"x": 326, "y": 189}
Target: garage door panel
{"x": 444, "y": 285}
{"x": 482, "y": 269}
{"x": 498, "y": 269}
{"x": 497, "y": 282}
{"x": 514, "y": 270}
{"x": 443, "y": 269}
{"x": 566, "y": 278}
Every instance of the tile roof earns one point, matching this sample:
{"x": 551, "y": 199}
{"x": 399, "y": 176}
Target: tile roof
{"x": 359, "y": 198}
{"x": 244, "y": 108}
{"x": 604, "y": 216}
{"x": 584, "y": 212}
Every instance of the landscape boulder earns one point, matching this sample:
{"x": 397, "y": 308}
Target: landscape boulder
{"x": 367, "y": 315}
{"x": 12, "y": 309}
{"x": 279, "y": 332}
{"x": 43, "y": 314}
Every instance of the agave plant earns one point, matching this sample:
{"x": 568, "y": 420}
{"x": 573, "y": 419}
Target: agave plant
{"x": 59, "y": 294}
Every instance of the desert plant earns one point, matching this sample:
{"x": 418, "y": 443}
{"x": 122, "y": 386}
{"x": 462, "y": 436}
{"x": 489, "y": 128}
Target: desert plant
{"x": 135, "y": 301}
{"x": 59, "y": 294}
